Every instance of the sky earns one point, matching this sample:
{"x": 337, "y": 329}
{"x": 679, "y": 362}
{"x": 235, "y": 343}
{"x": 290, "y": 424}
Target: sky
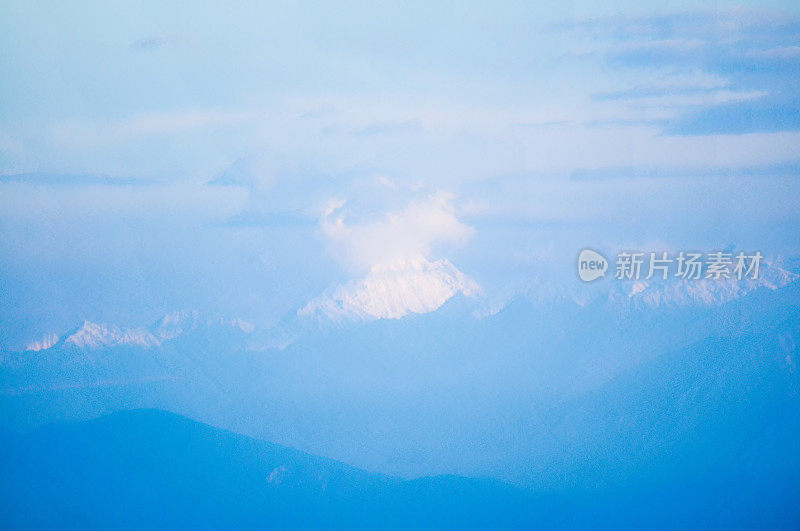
{"x": 257, "y": 159}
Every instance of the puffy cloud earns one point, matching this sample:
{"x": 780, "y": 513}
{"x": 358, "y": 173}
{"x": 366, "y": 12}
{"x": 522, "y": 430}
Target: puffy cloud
{"x": 407, "y": 235}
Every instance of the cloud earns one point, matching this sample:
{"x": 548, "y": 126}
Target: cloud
{"x": 250, "y": 218}
{"x": 780, "y": 52}
{"x": 266, "y": 172}
{"x": 60, "y": 179}
{"x": 669, "y": 81}
{"x": 407, "y": 235}
{"x": 150, "y": 43}
{"x": 173, "y": 122}
{"x": 281, "y": 191}
{"x": 384, "y": 128}
{"x": 88, "y": 134}
{"x": 770, "y": 114}
{"x": 783, "y": 169}
{"x": 739, "y": 67}
{"x": 155, "y": 42}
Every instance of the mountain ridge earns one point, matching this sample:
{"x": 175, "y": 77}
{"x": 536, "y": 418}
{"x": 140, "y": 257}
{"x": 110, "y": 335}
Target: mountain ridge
{"x": 344, "y": 305}
{"x": 151, "y": 467}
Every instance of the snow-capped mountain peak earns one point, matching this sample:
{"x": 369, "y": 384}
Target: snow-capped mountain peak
{"x": 703, "y": 292}
{"x": 93, "y": 335}
{"x": 42, "y": 344}
{"x": 393, "y": 291}
{"x": 176, "y": 324}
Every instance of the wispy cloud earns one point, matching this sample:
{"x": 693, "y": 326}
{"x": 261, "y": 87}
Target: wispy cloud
{"x": 779, "y": 52}
{"x": 88, "y": 134}
{"x": 60, "y": 179}
{"x": 154, "y": 42}
{"x": 785, "y": 169}
{"x": 252, "y": 218}
{"x": 748, "y": 57}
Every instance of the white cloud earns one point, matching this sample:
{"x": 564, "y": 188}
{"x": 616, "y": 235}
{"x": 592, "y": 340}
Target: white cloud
{"x": 407, "y": 235}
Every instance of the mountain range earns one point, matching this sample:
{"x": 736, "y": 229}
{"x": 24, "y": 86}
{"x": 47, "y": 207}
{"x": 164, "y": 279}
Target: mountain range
{"x": 673, "y": 412}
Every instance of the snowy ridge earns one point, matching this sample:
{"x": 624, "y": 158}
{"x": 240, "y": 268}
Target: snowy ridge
{"x": 394, "y": 291}
{"x": 417, "y": 287}
{"x": 656, "y": 292}
{"x": 91, "y": 336}
{"x": 178, "y": 323}
{"x": 704, "y": 292}
{"x": 42, "y": 344}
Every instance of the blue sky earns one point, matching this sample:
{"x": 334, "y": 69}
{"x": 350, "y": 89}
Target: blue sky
{"x": 245, "y": 158}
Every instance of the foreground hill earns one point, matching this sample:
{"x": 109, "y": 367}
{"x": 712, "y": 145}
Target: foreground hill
{"x": 146, "y": 468}
{"x": 153, "y": 469}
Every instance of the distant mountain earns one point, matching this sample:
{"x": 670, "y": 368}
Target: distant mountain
{"x": 724, "y": 403}
{"x": 393, "y": 291}
{"x": 414, "y": 288}
{"x": 90, "y": 336}
{"x": 409, "y": 290}
{"x": 96, "y": 369}
{"x": 180, "y": 323}
{"x": 657, "y": 293}
{"x": 93, "y": 336}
